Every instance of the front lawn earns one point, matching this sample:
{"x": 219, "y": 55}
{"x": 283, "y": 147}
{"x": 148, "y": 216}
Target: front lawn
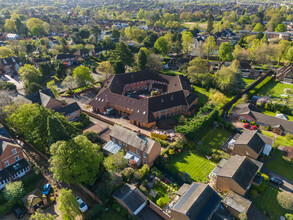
{"x": 274, "y": 114}
{"x": 274, "y": 88}
{"x": 280, "y": 166}
{"x": 268, "y": 204}
{"x": 193, "y": 163}
{"x": 214, "y": 138}
{"x": 283, "y": 141}
{"x": 248, "y": 81}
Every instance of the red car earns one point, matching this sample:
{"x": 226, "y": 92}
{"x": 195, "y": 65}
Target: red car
{"x": 253, "y": 127}
{"x": 246, "y": 125}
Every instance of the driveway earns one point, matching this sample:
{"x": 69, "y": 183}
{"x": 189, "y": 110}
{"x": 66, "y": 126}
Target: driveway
{"x": 288, "y": 184}
{"x": 82, "y": 99}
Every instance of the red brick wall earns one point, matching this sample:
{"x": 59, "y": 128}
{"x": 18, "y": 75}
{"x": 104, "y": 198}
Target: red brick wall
{"x": 8, "y": 155}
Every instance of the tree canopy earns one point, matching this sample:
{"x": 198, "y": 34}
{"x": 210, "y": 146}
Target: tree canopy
{"x": 68, "y": 204}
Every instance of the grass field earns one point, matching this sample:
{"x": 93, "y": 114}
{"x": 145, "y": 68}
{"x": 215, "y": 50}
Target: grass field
{"x": 267, "y": 133}
{"x": 248, "y": 81}
{"x": 283, "y": 141}
{"x": 213, "y": 138}
{"x": 203, "y": 95}
{"x": 274, "y": 114}
{"x": 190, "y": 162}
{"x": 274, "y": 88}
{"x": 280, "y": 166}
{"x": 201, "y": 25}
{"x": 267, "y": 202}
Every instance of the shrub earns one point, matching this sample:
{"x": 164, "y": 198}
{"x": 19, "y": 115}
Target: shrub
{"x": 94, "y": 212}
{"x": 171, "y": 151}
{"x": 92, "y": 136}
{"x": 289, "y": 216}
{"x": 161, "y": 202}
{"x": 186, "y": 178}
{"x": 253, "y": 193}
{"x": 285, "y": 199}
{"x": 143, "y": 189}
{"x": 156, "y": 172}
{"x": 123, "y": 212}
{"x": 144, "y": 171}
{"x": 127, "y": 173}
{"x": 132, "y": 163}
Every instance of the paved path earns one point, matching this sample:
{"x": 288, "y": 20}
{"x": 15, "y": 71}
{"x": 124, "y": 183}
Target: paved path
{"x": 288, "y": 184}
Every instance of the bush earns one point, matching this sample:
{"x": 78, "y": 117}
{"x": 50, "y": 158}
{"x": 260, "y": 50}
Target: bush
{"x": 94, "y": 212}
{"x": 156, "y": 172}
{"x": 289, "y": 216}
{"x": 171, "y": 151}
{"x": 186, "y": 178}
{"x": 161, "y": 202}
{"x": 285, "y": 199}
{"x": 123, "y": 212}
{"x": 253, "y": 193}
{"x": 92, "y": 136}
{"x": 127, "y": 173}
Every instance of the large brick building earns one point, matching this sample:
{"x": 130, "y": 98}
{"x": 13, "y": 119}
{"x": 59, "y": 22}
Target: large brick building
{"x": 130, "y": 95}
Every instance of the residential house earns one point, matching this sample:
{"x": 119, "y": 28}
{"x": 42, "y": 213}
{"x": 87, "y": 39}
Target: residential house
{"x": 237, "y": 174}
{"x": 67, "y": 58}
{"x": 120, "y": 93}
{"x": 36, "y": 62}
{"x": 81, "y": 54}
{"x": 12, "y": 163}
{"x": 137, "y": 204}
{"x": 71, "y": 111}
{"x": 248, "y": 72}
{"x": 10, "y": 65}
{"x": 249, "y": 112}
{"x": 285, "y": 73}
{"x": 137, "y": 147}
{"x": 12, "y": 36}
{"x": 237, "y": 205}
{"x": 252, "y": 144}
{"x": 198, "y": 201}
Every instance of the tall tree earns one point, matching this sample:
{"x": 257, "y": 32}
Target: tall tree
{"x": 121, "y": 56}
{"x": 5, "y": 52}
{"x": 141, "y": 60}
{"x": 42, "y": 216}
{"x": 56, "y": 130}
{"x": 82, "y": 76}
{"x": 187, "y": 40}
{"x": 162, "y": 46}
{"x": 13, "y": 191}
{"x": 225, "y": 51}
{"x": 209, "y": 46}
{"x": 281, "y": 28}
{"x": 69, "y": 82}
{"x": 75, "y": 161}
{"x": 196, "y": 67}
{"x": 210, "y": 23}
{"x": 68, "y": 204}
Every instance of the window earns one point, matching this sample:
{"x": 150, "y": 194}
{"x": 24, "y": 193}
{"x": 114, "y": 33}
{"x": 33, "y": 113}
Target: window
{"x": 7, "y": 163}
{"x": 120, "y": 143}
{"x": 137, "y": 151}
{"x": 144, "y": 155}
{"x": 144, "y": 161}
{"x": 16, "y": 158}
{"x": 113, "y": 139}
{"x": 14, "y": 151}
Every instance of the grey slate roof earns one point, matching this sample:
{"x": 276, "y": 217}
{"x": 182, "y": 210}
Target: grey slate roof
{"x": 241, "y": 169}
{"x": 132, "y": 197}
{"x": 252, "y": 140}
{"x": 198, "y": 202}
{"x": 68, "y": 109}
{"x": 132, "y": 138}
{"x": 243, "y": 109}
{"x": 17, "y": 166}
{"x": 41, "y": 97}
{"x": 286, "y": 71}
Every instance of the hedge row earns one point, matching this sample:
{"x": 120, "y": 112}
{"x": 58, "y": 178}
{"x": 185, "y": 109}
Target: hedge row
{"x": 259, "y": 86}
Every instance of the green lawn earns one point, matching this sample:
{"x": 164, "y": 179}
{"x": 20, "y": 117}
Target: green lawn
{"x": 274, "y": 88}
{"x": 171, "y": 72}
{"x": 267, "y": 202}
{"x": 203, "y": 95}
{"x": 267, "y": 133}
{"x": 113, "y": 214}
{"x": 274, "y": 114}
{"x": 191, "y": 162}
{"x": 283, "y": 141}
{"x": 280, "y": 166}
{"x": 161, "y": 192}
{"x": 214, "y": 138}
{"x": 248, "y": 81}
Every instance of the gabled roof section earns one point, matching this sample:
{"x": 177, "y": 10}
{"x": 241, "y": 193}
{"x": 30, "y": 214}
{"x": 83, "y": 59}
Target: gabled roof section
{"x": 241, "y": 169}
{"x": 252, "y": 140}
{"x": 5, "y": 144}
{"x": 132, "y": 197}
{"x": 286, "y": 71}
{"x": 73, "y": 107}
{"x": 198, "y": 202}
{"x": 242, "y": 109}
{"x": 132, "y": 138}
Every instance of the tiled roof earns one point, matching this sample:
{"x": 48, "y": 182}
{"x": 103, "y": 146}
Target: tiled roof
{"x": 252, "y": 140}
{"x": 73, "y": 107}
{"x": 286, "y": 71}
{"x": 241, "y": 169}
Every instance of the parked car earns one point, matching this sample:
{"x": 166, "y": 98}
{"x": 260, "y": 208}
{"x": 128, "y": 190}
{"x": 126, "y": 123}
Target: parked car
{"x": 82, "y": 206}
{"x": 246, "y": 125}
{"x": 46, "y": 189}
{"x": 253, "y": 127}
{"x": 18, "y": 212}
{"x": 276, "y": 181}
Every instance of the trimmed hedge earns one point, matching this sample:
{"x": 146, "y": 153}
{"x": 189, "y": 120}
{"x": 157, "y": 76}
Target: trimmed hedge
{"x": 259, "y": 86}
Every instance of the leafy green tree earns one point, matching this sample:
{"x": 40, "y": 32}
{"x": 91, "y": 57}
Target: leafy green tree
{"x": 290, "y": 54}
{"x": 75, "y": 161}
{"x": 115, "y": 162}
{"x": 209, "y": 46}
{"x": 285, "y": 199}
{"x": 225, "y": 51}
{"x": 37, "y": 27}
{"x": 32, "y": 88}
{"x": 105, "y": 67}
{"x": 51, "y": 85}
{"x": 121, "y": 56}
{"x": 144, "y": 171}
{"x": 13, "y": 191}
{"x": 56, "y": 130}
{"x": 25, "y": 118}
{"x": 115, "y": 34}
{"x": 29, "y": 74}
{"x": 161, "y": 45}
{"x": 154, "y": 62}
{"x": 84, "y": 34}
{"x": 210, "y": 23}
{"x": 187, "y": 40}
{"x": 6, "y": 52}
{"x": 141, "y": 60}
{"x": 82, "y": 76}
{"x": 42, "y": 216}
{"x": 150, "y": 40}
{"x": 196, "y": 67}
{"x": 44, "y": 68}
{"x": 68, "y": 205}
{"x": 259, "y": 28}
{"x": 281, "y": 28}
{"x": 289, "y": 216}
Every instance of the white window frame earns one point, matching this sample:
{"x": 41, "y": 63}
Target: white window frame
{"x": 7, "y": 163}
{"x": 14, "y": 151}
{"x": 17, "y": 158}
{"x": 137, "y": 151}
